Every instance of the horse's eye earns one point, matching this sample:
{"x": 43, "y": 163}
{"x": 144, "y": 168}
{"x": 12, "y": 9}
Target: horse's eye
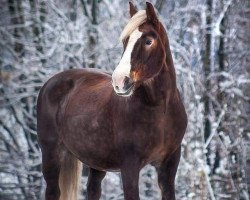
{"x": 148, "y": 42}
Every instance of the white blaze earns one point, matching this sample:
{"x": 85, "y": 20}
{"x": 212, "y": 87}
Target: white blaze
{"x": 124, "y": 67}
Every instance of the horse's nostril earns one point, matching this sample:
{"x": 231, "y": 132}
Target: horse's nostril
{"x": 116, "y": 87}
{"x": 128, "y": 82}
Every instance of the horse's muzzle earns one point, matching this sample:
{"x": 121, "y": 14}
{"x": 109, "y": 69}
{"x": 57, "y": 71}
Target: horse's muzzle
{"x": 123, "y": 87}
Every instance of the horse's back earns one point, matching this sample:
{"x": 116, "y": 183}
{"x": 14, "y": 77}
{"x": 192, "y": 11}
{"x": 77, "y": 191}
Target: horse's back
{"x": 59, "y": 86}
{"x": 57, "y": 91}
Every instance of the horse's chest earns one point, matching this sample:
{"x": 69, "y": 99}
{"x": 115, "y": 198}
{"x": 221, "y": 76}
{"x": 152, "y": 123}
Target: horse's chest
{"x": 142, "y": 134}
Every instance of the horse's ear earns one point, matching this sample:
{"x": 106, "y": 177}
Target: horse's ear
{"x": 132, "y": 9}
{"x": 151, "y": 15}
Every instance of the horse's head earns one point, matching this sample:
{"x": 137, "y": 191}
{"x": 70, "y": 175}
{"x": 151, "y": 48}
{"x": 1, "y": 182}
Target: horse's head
{"x": 144, "y": 51}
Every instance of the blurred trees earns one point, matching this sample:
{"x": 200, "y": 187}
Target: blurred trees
{"x": 210, "y": 45}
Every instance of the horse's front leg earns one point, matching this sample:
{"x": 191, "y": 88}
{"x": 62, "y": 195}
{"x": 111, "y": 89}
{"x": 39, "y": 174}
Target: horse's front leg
{"x": 130, "y": 178}
{"x": 94, "y": 184}
{"x": 166, "y": 175}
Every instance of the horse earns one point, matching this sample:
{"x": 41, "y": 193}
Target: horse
{"x": 114, "y": 122}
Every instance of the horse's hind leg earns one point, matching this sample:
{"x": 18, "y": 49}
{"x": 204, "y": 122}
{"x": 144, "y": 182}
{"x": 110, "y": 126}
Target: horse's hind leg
{"x": 94, "y": 184}
{"x": 166, "y": 175}
{"x": 51, "y": 170}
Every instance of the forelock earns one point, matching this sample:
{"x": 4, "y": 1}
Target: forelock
{"x": 138, "y": 19}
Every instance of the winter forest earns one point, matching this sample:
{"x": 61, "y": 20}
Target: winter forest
{"x": 210, "y": 44}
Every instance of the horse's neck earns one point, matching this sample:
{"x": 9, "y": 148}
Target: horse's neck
{"x": 159, "y": 89}
{"x": 162, "y": 88}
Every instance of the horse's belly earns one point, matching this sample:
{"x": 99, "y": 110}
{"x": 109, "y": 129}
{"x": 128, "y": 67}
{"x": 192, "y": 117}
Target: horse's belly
{"x": 92, "y": 141}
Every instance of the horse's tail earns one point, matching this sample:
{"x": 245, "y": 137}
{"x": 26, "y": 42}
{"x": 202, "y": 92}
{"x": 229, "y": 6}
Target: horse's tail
{"x": 70, "y": 175}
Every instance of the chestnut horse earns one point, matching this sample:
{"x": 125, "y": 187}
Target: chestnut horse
{"x": 114, "y": 123}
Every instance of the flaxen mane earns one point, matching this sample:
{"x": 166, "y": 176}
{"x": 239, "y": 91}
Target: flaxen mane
{"x": 138, "y": 19}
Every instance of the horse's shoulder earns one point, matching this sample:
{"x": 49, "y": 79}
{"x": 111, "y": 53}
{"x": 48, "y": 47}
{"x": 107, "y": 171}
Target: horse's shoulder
{"x": 177, "y": 112}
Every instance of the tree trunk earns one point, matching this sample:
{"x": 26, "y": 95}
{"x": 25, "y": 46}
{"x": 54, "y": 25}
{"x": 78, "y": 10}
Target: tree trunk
{"x": 207, "y": 71}
{"x": 15, "y": 9}
{"x": 93, "y": 36}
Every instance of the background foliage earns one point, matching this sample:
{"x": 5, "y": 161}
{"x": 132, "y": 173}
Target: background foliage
{"x": 210, "y": 45}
